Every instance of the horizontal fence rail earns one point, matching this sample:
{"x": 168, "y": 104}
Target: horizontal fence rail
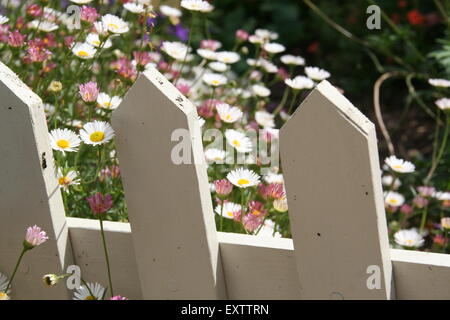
{"x": 170, "y": 249}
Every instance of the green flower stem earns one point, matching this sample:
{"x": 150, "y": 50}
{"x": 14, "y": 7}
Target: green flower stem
{"x": 221, "y": 216}
{"x": 283, "y": 101}
{"x": 436, "y": 161}
{"x": 424, "y": 219}
{"x": 106, "y": 255}
{"x": 25, "y": 249}
{"x": 87, "y": 287}
{"x": 294, "y": 98}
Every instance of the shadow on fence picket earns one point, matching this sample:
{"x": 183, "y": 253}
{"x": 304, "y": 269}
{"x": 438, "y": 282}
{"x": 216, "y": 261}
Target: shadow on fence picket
{"x": 170, "y": 249}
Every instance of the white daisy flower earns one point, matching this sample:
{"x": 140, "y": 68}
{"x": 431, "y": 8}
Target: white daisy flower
{"x": 228, "y": 57}
{"x": 3, "y": 19}
{"x": 238, "y": 140}
{"x": 3, "y": 284}
{"x": 207, "y": 54}
{"x": 274, "y": 47}
{"x": 84, "y": 50}
{"x": 214, "y": 155}
{"x": 316, "y": 73}
{"x": 442, "y": 195}
{"x": 64, "y": 140}
{"x": 243, "y": 178}
{"x": 260, "y": 90}
{"x": 81, "y": 1}
{"x": 82, "y": 293}
{"x": 170, "y": 11}
{"x": 299, "y": 83}
{"x": 399, "y": 165}
{"x": 280, "y": 205}
{"x": 266, "y": 34}
{"x": 443, "y": 83}
{"x": 201, "y": 121}
{"x": 175, "y": 49}
{"x": 134, "y": 7}
{"x": 227, "y": 113}
{"x": 268, "y": 66}
{"x": 218, "y": 66}
{"x": 45, "y": 26}
{"x": 388, "y": 179}
{"x": 394, "y": 199}
{"x": 114, "y": 24}
{"x": 107, "y": 102}
{"x": 268, "y": 230}
{"x": 197, "y": 5}
{"x": 68, "y": 179}
{"x": 256, "y": 39}
{"x": 229, "y": 208}
{"x": 96, "y": 133}
{"x": 443, "y": 104}
{"x": 265, "y": 119}
{"x": 274, "y": 178}
{"x": 409, "y": 238}
{"x": 289, "y": 59}
{"x": 94, "y": 40}
{"x": 215, "y": 79}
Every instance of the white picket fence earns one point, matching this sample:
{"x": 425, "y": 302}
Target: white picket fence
{"x": 170, "y": 249}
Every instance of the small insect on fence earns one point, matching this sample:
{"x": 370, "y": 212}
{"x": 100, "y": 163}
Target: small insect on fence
{"x": 170, "y": 249}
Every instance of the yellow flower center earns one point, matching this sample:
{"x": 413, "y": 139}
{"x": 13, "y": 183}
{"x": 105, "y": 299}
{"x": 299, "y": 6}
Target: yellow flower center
{"x": 256, "y": 212}
{"x": 215, "y": 82}
{"x": 393, "y": 201}
{"x": 230, "y": 214}
{"x": 236, "y": 143}
{"x": 243, "y": 182}
{"x": 63, "y": 181}
{"x": 96, "y": 43}
{"x": 217, "y": 158}
{"x": 83, "y": 53}
{"x": 409, "y": 242}
{"x": 107, "y": 104}
{"x": 228, "y": 117}
{"x": 63, "y": 144}
{"x": 113, "y": 26}
{"x": 398, "y": 166}
{"x": 4, "y": 296}
{"x": 90, "y": 298}
{"x": 97, "y": 136}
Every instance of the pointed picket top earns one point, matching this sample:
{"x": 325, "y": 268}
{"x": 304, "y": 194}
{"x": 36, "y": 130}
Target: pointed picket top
{"x": 29, "y": 192}
{"x": 333, "y": 182}
{"x": 167, "y": 192}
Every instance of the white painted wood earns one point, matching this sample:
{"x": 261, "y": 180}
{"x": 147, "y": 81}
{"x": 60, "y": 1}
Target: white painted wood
{"x": 169, "y": 205}
{"x": 421, "y": 275}
{"x": 258, "y": 268}
{"x": 29, "y": 192}
{"x": 331, "y": 168}
{"x": 89, "y": 254}
{"x": 254, "y": 267}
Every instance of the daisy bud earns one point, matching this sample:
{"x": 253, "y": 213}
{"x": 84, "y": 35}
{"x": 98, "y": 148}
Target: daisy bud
{"x": 50, "y": 280}
{"x": 223, "y": 187}
{"x": 35, "y": 236}
{"x": 445, "y": 223}
{"x": 280, "y": 205}
{"x": 241, "y": 35}
{"x": 55, "y": 86}
{"x": 251, "y": 222}
{"x": 89, "y": 91}
{"x": 118, "y": 297}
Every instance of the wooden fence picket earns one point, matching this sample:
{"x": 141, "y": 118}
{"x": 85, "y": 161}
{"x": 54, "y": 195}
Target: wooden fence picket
{"x": 169, "y": 203}
{"x": 29, "y": 192}
{"x": 333, "y": 183}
